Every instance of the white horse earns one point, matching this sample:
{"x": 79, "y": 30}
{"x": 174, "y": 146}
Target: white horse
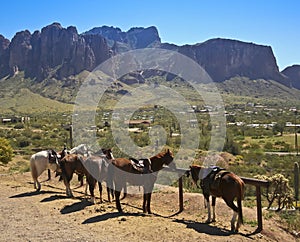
{"x": 39, "y": 162}
{"x": 81, "y": 149}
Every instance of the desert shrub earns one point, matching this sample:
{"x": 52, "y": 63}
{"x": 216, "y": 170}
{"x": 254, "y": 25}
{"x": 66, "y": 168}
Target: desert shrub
{"x": 268, "y": 146}
{"x": 23, "y": 142}
{"x": 6, "y": 151}
{"x": 19, "y": 126}
{"x": 278, "y": 191}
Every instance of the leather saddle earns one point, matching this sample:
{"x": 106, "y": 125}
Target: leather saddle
{"x": 141, "y": 165}
{"x": 213, "y": 179}
{"x": 52, "y": 157}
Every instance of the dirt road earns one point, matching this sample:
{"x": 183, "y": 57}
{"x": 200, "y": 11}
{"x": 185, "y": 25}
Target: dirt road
{"x": 50, "y": 216}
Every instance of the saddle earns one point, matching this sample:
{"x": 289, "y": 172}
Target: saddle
{"x": 52, "y": 157}
{"x": 142, "y": 165}
{"x": 213, "y": 179}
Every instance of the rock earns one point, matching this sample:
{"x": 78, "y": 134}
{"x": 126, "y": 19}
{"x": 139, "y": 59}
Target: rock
{"x": 293, "y": 75}
{"x": 54, "y": 48}
{"x": 225, "y": 58}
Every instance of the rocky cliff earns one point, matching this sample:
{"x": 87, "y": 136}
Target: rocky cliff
{"x": 293, "y": 75}
{"x": 55, "y": 50}
{"x": 135, "y": 38}
{"x": 60, "y": 52}
{"x": 225, "y": 58}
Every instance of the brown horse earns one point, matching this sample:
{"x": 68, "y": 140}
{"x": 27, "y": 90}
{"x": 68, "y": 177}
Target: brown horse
{"x": 124, "y": 170}
{"x": 97, "y": 164}
{"x": 218, "y": 182}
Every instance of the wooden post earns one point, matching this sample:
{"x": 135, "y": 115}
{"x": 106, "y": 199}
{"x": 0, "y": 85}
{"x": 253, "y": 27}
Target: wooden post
{"x": 180, "y": 194}
{"x": 71, "y": 136}
{"x": 259, "y": 209}
{"x": 257, "y": 183}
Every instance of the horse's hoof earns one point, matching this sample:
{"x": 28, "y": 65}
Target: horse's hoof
{"x": 214, "y": 220}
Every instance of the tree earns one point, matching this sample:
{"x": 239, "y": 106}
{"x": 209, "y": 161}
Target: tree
{"x": 279, "y": 127}
{"x": 278, "y": 191}
{"x": 6, "y": 151}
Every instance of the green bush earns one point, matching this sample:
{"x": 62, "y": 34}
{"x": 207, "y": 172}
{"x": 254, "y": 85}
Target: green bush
{"x": 6, "y": 151}
{"x": 19, "y": 126}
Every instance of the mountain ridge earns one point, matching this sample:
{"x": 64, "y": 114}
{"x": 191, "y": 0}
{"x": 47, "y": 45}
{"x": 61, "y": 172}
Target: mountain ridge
{"x": 58, "y": 52}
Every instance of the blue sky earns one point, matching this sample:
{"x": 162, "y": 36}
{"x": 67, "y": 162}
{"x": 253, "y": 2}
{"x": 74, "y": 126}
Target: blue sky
{"x": 266, "y": 22}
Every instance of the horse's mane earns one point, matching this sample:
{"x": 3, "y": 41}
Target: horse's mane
{"x": 161, "y": 154}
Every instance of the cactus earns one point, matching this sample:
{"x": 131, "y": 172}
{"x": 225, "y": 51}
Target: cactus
{"x": 296, "y": 180}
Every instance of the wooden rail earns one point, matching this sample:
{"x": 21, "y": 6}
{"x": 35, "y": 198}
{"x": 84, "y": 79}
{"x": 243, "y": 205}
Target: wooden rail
{"x": 249, "y": 181}
{"x": 257, "y": 183}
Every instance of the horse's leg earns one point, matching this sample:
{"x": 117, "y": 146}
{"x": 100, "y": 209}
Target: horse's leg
{"x": 108, "y": 193}
{"x": 231, "y": 204}
{"x": 68, "y": 189}
{"x": 124, "y": 191}
{"x": 86, "y": 188}
{"x": 34, "y": 174}
{"x": 118, "y": 204}
{"x": 67, "y": 178}
{"x": 144, "y": 202}
{"x": 118, "y": 188}
{"x": 37, "y": 184}
{"x": 100, "y": 191}
{"x": 148, "y": 203}
{"x": 92, "y": 183}
{"x": 206, "y": 196}
{"x": 49, "y": 175}
{"x": 80, "y": 179}
{"x": 213, "y": 202}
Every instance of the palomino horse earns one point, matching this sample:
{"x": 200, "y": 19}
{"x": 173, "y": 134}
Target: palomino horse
{"x": 39, "y": 162}
{"x": 94, "y": 167}
{"x": 123, "y": 170}
{"x": 218, "y": 182}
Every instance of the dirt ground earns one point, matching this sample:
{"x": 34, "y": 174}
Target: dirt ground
{"x": 49, "y": 216}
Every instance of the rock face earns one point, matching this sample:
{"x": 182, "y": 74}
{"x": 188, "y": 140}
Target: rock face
{"x": 224, "y": 58}
{"x": 60, "y": 52}
{"x": 54, "y": 49}
{"x": 293, "y": 74}
{"x": 135, "y": 38}
{"x": 4, "y": 56}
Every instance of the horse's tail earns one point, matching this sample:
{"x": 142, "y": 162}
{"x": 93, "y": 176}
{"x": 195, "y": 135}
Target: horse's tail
{"x": 34, "y": 174}
{"x": 239, "y": 201}
{"x": 109, "y": 180}
{"x": 63, "y": 175}
{"x": 33, "y": 168}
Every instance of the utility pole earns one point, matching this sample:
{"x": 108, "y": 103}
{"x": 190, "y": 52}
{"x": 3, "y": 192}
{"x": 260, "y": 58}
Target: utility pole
{"x": 296, "y": 137}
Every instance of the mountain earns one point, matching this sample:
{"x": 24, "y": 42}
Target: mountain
{"x": 225, "y": 58}
{"x": 135, "y": 38}
{"x": 293, "y": 75}
{"x": 57, "y": 52}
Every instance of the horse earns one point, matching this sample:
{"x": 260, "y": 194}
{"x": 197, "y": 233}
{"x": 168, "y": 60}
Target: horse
{"x": 98, "y": 164}
{"x": 39, "y": 162}
{"x": 124, "y": 170}
{"x": 218, "y": 182}
{"x": 81, "y": 149}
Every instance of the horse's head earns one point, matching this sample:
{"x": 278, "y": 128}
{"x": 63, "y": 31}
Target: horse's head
{"x": 108, "y": 153}
{"x": 194, "y": 172}
{"x": 168, "y": 159}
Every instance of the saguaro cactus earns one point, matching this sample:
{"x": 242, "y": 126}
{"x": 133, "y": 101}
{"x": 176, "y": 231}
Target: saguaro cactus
{"x": 296, "y": 181}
